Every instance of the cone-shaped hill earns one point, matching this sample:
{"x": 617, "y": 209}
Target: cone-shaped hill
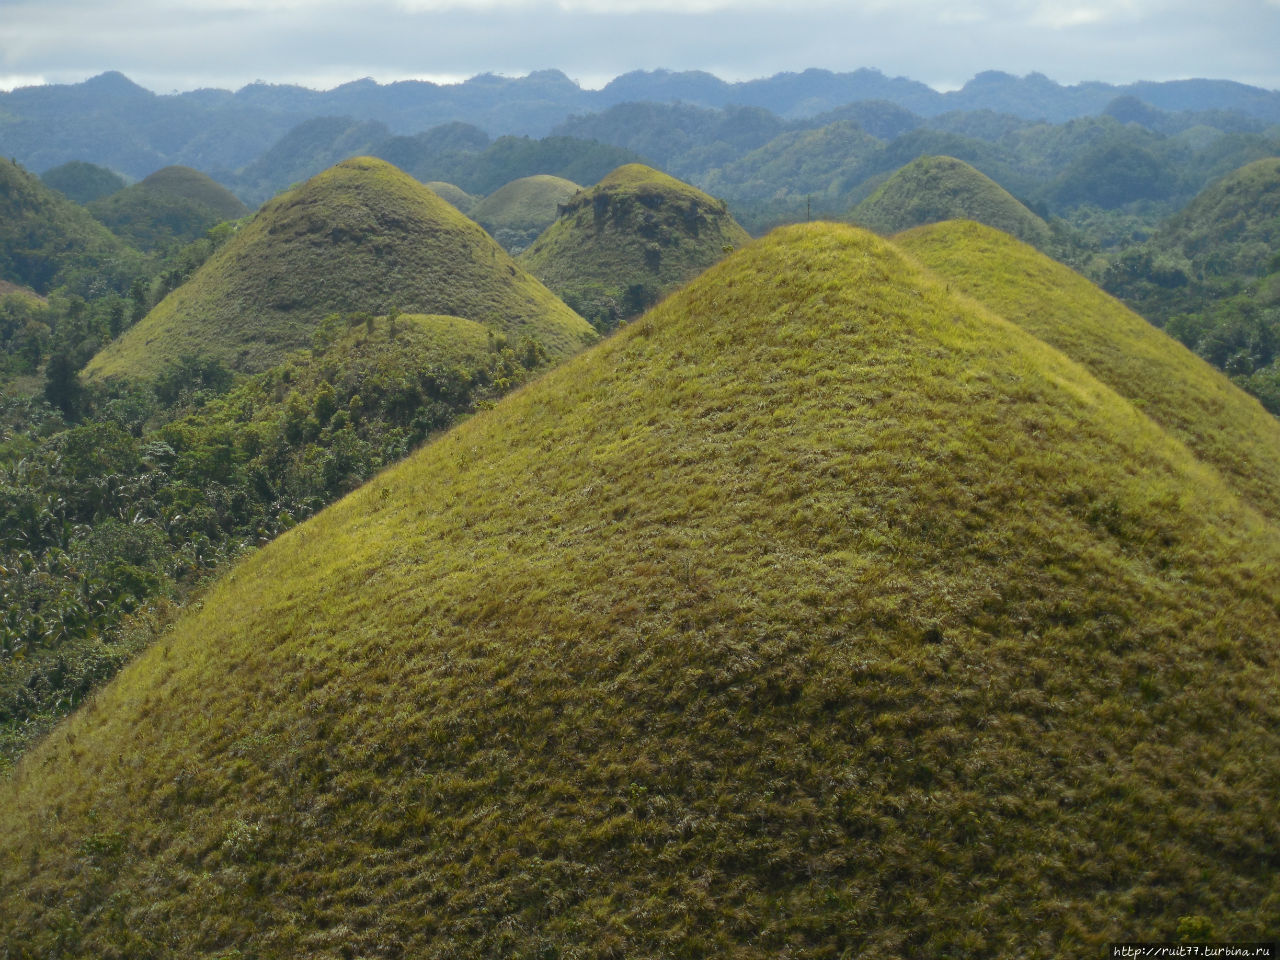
{"x": 82, "y": 182}
{"x": 516, "y": 213}
{"x": 47, "y": 240}
{"x": 1232, "y": 226}
{"x": 630, "y": 239}
{"x": 362, "y": 236}
{"x": 173, "y": 205}
{"x": 454, "y": 194}
{"x": 820, "y": 612}
{"x": 1218, "y": 422}
{"x": 933, "y": 189}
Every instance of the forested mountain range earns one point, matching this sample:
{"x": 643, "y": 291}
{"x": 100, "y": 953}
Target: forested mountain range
{"x": 222, "y": 130}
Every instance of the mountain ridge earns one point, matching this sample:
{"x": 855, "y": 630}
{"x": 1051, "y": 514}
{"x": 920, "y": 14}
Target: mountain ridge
{"x": 215, "y": 128}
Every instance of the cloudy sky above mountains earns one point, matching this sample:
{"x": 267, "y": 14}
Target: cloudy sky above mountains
{"x": 169, "y": 45}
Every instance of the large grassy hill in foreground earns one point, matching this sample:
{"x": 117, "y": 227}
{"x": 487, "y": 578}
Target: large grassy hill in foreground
{"x": 821, "y": 612}
{"x": 362, "y": 236}
{"x": 630, "y": 239}
{"x": 934, "y": 189}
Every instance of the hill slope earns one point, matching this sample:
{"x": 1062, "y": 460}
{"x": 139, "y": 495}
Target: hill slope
{"x": 363, "y": 236}
{"x": 47, "y": 240}
{"x": 627, "y": 241}
{"x": 1232, "y": 226}
{"x": 821, "y": 613}
{"x": 933, "y": 189}
{"x": 174, "y": 205}
{"x": 516, "y": 213}
{"x": 1218, "y": 422}
{"x": 454, "y": 194}
{"x": 81, "y": 182}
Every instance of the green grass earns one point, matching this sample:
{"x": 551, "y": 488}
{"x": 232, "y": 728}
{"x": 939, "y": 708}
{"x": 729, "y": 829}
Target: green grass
{"x": 173, "y": 206}
{"x": 363, "y": 236}
{"x": 47, "y": 241}
{"x": 1198, "y": 405}
{"x": 934, "y": 189}
{"x": 516, "y": 213}
{"x": 821, "y": 612}
{"x": 178, "y": 181}
{"x": 454, "y": 194}
{"x": 635, "y": 236}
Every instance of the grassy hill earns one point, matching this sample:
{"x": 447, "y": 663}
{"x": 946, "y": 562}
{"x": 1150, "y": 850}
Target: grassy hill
{"x": 1195, "y": 403}
{"x": 1233, "y": 225}
{"x": 46, "y": 240}
{"x": 934, "y": 189}
{"x": 171, "y": 207}
{"x": 363, "y": 236}
{"x": 82, "y": 182}
{"x": 516, "y": 213}
{"x": 630, "y": 239}
{"x": 821, "y": 613}
{"x": 454, "y": 194}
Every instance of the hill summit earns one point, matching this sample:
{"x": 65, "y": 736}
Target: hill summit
{"x": 934, "y": 189}
{"x": 630, "y": 239}
{"x": 515, "y": 214}
{"x": 47, "y": 240}
{"x": 824, "y": 612}
{"x": 360, "y": 237}
{"x": 173, "y": 205}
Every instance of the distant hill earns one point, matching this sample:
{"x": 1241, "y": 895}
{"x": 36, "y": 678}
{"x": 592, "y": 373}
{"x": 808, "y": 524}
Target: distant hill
{"x": 362, "y": 236}
{"x": 823, "y": 612}
{"x": 797, "y": 174}
{"x": 307, "y": 149}
{"x": 172, "y": 206}
{"x": 629, "y": 240}
{"x": 456, "y": 153}
{"x": 515, "y": 214}
{"x": 934, "y": 189}
{"x": 455, "y": 195}
{"x": 1232, "y": 226}
{"x": 46, "y": 240}
{"x": 82, "y": 182}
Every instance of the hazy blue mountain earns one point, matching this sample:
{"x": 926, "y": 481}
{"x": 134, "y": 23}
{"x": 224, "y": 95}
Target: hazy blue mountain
{"x": 111, "y": 121}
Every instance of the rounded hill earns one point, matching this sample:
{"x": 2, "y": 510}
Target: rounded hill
{"x": 1232, "y": 226}
{"x": 934, "y": 189}
{"x": 188, "y": 184}
{"x": 47, "y": 240}
{"x": 516, "y": 213}
{"x": 82, "y": 182}
{"x": 360, "y": 237}
{"x": 174, "y": 205}
{"x": 822, "y": 612}
{"x": 454, "y": 194}
{"x": 629, "y": 240}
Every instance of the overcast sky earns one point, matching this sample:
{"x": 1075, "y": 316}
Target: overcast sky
{"x": 169, "y": 45}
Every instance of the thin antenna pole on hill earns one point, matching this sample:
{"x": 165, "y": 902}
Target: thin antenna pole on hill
{"x": 807, "y": 217}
